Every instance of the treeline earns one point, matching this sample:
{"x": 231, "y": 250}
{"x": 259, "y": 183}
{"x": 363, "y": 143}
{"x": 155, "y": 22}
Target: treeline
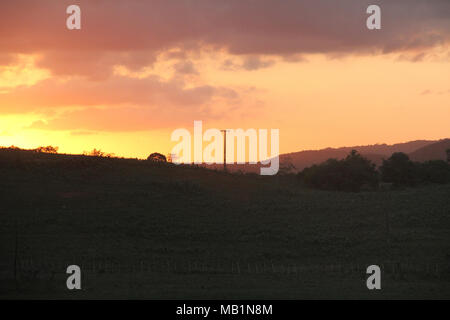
{"x": 356, "y": 173}
{"x": 42, "y": 149}
{"x": 54, "y": 150}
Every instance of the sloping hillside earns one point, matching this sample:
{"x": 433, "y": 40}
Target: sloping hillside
{"x": 302, "y": 159}
{"x": 435, "y": 151}
{"x": 145, "y": 230}
{"x": 375, "y": 153}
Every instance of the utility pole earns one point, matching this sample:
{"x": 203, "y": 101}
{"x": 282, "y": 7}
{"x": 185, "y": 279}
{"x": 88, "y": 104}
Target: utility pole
{"x": 224, "y": 150}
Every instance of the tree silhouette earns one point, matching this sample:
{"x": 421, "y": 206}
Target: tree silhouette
{"x": 157, "y": 157}
{"x": 349, "y": 174}
{"x": 47, "y": 149}
{"x": 434, "y": 171}
{"x": 399, "y": 169}
{"x": 98, "y": 153}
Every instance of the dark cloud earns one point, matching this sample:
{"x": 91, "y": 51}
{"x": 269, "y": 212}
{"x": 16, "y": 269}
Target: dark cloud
{"x": 249, "y": 63}
{"x": 255, "y": 63}
{"x": 133, "y": 32}
{"x": 95, "y": 65}
{"x": 185, "y": 68}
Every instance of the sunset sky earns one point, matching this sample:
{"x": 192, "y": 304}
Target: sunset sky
{"x": 137, "y": 70}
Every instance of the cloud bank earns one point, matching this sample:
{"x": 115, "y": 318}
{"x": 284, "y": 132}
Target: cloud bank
{"x": 134, "y": 33}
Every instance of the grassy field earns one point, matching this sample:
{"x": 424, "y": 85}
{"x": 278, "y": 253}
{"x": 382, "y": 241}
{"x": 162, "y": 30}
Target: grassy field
{"x": 143, "y": 230}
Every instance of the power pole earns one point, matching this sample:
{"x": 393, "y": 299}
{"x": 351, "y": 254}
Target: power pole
{"x": 224, "y": 150}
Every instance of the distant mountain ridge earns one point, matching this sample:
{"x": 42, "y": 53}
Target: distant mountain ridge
{"x": 418, "y": 150}
{"x": 435, "y": 151}
{"x": 375, "y": 153}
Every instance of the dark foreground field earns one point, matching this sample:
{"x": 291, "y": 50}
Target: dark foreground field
{"x": 142, "y": 230}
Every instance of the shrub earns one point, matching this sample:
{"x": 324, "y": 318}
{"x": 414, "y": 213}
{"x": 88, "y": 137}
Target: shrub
{"x": 434, "y": 171}
{"x": 399, "y": 170}
{"x": 98, "y": 153}
{"x": 350, "y": 174}
{"x": 47, "y": 149}
{"x": 157, "y": 157}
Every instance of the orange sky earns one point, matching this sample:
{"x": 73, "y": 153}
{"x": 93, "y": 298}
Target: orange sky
{"x": 125, "y": 94}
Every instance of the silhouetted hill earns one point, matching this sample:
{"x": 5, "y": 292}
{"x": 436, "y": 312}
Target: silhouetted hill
{"x": 150, "y": 230}
{"x": 302, "y": 159}
{"x": 435, "y": 151}
{"x": 419, "y": 150}
{"x": 375, "y": 153}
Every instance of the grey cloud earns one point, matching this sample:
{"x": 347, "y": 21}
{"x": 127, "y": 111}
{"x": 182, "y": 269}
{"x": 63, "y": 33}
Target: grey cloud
{"x": 133, "y": 32}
